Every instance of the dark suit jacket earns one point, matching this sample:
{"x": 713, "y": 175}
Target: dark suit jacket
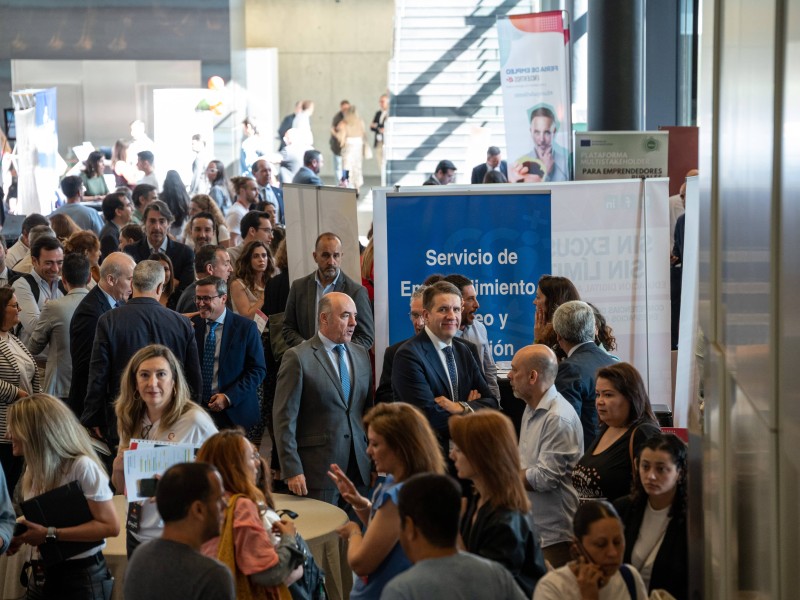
{"x": 306, "y": 176}
{"x": 575, "y": 381}
{"x": 120, "y": 334}
{"x": 241, "y": 369}
{"x": 418, "y": 377}
{"x": 384, "y": 393}
{"x": 479, "y": 172}
{"x": 181, "y": 255}
{"x": 301, "y": 310}
{"x": 109, "y": 239}
{"x": 671, "y": 567}
{"x": 315, "y": 425}
{"x": 81, "y": 339}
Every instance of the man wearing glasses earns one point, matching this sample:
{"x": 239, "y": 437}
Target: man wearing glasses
{"x": 231, "y": 358}
{"x": 255, "y": 225}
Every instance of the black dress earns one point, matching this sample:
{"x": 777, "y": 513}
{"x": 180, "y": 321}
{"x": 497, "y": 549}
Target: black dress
{"x": 608, "y": 475}
{"x": 507, "y": 537}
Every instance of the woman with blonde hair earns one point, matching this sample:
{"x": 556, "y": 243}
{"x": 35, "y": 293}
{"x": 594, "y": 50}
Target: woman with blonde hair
{"x": 205, "y": 203}
{"x": 352, "y": 135}
{"x": 154, "y": 403}
{"x": 259, "y": 554}
{"x": 88, "y": 244}
{"x": 58, "y": 451}
{"x": 495, "y": 523}
{"x": 401, "y": 444}
{"x": 253, "y": 269}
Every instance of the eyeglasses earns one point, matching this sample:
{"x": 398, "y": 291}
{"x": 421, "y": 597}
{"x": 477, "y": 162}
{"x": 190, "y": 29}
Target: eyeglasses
{"x": 204, "y": 299}
{"x": 15, "y": 306}
{"x": 265, "y": 229}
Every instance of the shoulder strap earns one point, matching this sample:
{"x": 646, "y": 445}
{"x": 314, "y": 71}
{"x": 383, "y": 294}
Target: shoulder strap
{"x": 627, "y": 577}
{"x": 630, "y": 453}
{"x": 34, "y": 285}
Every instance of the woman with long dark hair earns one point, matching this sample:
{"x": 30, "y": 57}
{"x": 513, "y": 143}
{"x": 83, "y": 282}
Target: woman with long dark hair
{"x": 654, "y": 515}
{"x": 551, "y": 292}
{"x": 253, "y": 269}
{"x": 605, "y": 471}
{"x": 174, "y": 194}
{"x": 220, "y": 190}
{"x": 92, "y": 176}
{"x": 495, "y": 523}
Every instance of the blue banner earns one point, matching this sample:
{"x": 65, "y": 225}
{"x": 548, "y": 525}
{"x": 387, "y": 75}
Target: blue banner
{"x": 501, "y": 242}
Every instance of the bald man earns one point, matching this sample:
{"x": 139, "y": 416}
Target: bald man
{"x": 550, "y": 445}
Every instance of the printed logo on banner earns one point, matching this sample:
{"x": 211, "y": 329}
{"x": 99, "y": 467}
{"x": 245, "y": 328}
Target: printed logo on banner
{"x": 502, "y": 243}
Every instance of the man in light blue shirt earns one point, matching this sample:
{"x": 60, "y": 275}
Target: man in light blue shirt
{"x": 86, "y": 217}
{"x": 7, "y": 516}
{"x": 550, "y": 445}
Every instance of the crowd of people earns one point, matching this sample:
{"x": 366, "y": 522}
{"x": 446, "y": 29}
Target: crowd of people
{"x": 173, "y": 318}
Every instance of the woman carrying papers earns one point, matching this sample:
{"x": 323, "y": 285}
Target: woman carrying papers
{"x": 154, "y": 404}
{"x": 58, "y": 452}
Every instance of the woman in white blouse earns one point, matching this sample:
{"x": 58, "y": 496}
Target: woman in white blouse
{"x": 154, "y": 404}
{"x": 58, "y": 451}
{"x": 18, "y": 378}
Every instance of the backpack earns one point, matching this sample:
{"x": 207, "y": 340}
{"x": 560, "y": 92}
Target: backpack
{"x": 311, "y": 586}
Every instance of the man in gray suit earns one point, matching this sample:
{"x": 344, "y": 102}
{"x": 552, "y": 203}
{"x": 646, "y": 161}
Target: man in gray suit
{"x": 324, "y": 387}
{"x": 53, "y": 327}
{"x": 309, "y": 172}
{"x": 300, "y": 320}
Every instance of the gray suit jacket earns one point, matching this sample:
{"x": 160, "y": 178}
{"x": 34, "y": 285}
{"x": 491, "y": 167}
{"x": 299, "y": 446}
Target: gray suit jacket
{"x": 300, "y": 317}
{"x": 314, "y": 424}
{"x": 53, "y": 328}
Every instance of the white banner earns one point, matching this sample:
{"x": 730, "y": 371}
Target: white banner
{"x": 621, "y": 154}
{"x": 535, "y": 77}
{"x": 607, "y": 237}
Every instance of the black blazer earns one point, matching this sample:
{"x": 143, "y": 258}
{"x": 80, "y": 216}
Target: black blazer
{"x": 479, "y": 172}
{"x": 671, "y": 567}
{"x": 418, "y": 377}
{"x": 504, "y": 536}
{"x": 181, "y": 255}
{"x": 81, "y": 338}
{"x": 120, "y": 334}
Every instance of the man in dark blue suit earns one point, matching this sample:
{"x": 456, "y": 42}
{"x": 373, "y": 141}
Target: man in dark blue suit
{"x": 266, "y": 191}
{"x": 126, "y": 330}
{"x": 157, "y": 220}
{"x": 113, "y": 289}
{"x": 436, "y": 373}
{"x": 492, "y": 163}
{"x": 574, "y": 325}
{"x": 231, "y": 358}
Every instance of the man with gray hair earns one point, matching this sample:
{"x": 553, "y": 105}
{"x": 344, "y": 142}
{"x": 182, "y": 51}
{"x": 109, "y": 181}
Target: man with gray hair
{"x": 113, "y": 289}
{"x": 550, "y": 445}
{"x": 574, "y": 325}
{"x": 123, "y": 332}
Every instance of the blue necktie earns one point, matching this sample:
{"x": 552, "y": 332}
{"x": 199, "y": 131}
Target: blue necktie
{"x": 344, "y": 376}
{"x": 451, "y": 370}
{"x": 209, "y": 350}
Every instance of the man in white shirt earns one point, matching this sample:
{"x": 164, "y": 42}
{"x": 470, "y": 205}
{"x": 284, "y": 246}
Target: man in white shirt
{"x": 550, "y": 444}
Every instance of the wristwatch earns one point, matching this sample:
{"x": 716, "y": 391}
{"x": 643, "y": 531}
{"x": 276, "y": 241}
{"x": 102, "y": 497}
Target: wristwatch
{"x": 51, "y": 535}
{"x": 467, "y": 408}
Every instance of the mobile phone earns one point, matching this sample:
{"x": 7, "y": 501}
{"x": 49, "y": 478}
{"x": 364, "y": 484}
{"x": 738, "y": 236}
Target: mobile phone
{"x": 146, "y": 488}
{"x": 583, "y": 553}
{"x": 19, "y": 529}
{"x": 345, "y": 175}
